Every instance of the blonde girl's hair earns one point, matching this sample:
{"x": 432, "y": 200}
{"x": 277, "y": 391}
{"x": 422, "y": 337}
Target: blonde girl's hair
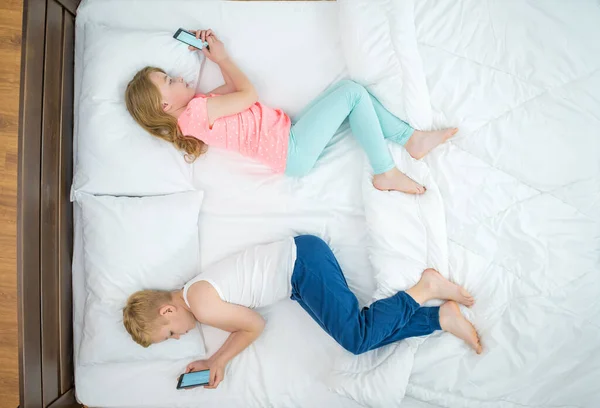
{"x": 144, "y": 103}
{"x": 141, "y": 314}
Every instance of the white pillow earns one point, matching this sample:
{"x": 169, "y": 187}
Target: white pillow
{"x": 116, "y": 156}
{"x": 130, "y": 244}
{"x": 113, "y": 154}
{"x": 105, "y": 339}
{"x": 408, "y": 235}
{"x": 112, "y": 56}
{"x": 379, "y": 42}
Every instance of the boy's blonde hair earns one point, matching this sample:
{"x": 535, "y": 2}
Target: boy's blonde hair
{"x": 141, "y": 315}
{"x": 144, "y": 103}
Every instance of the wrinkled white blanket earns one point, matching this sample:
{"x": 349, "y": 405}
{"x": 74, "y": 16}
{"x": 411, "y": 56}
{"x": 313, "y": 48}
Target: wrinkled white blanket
{"x": 520, "y": 185}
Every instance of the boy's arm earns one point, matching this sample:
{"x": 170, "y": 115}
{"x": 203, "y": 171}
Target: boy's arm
{"x": 244, "y": 324}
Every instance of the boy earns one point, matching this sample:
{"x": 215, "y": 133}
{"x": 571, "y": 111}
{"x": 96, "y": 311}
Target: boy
{"x": 304, "y": 268}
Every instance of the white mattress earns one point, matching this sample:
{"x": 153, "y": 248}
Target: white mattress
{"x": 521, "y": 185}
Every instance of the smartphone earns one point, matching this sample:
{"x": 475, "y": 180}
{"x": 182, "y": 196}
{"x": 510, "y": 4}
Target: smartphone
{"x": 193, "y": 379}
{"x": 190, "y": 39}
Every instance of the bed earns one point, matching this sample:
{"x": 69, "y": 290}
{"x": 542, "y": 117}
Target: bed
{"x": 514, "y": 213}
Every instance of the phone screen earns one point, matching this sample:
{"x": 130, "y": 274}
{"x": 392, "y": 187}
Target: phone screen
{"x": 189, "y": 39}
{"x": 194, "y": 379}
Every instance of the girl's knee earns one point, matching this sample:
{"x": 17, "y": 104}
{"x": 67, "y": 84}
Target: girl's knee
{"x": 354, "y": 89}
{"x": 348, "y": 82}
{"x": 300, "y": 169}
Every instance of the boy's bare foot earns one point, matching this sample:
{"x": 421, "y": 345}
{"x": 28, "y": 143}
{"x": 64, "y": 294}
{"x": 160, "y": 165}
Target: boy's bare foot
{"x": 442, "y": 288}
{"x": 421, "y": 143}
{"x": 395, "y": 180}
{"x": 452, "y": 321}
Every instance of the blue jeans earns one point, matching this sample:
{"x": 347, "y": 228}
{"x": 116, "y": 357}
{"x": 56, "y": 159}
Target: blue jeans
{"x": 371, "y": 124}
{"x": 319, "y": 286}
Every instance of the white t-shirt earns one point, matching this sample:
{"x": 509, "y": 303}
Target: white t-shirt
{"x": 256, "y": 277}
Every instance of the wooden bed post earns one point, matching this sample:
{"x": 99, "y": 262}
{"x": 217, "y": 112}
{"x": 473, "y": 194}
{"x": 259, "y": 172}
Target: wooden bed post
{"x": 44, "y": 220}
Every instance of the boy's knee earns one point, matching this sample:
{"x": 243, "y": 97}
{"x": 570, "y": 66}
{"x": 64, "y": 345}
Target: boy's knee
{"x": 352, "y": 347}
{"x": 314, "y": 242}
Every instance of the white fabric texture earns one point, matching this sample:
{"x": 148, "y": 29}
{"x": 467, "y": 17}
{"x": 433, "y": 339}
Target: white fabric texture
{"x": 256, "y": 277}
{"x": 520, "y": 185}
{"x": 132, "y": 244}
{"x": 521, "y": 236}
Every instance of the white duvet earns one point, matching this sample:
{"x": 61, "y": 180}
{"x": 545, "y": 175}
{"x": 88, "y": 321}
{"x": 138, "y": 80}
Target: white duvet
{"x": 513, "y": 213}
{"x": 521, "y": 191}
{"x": 521, "y": 187}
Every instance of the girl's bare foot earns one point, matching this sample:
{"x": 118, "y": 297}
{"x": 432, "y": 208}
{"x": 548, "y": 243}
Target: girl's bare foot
{"x": 441, "y": 288}
{"x": 421, "y": 143}
{"x": 397, "y": 181}
{"x": 452, "y": 321}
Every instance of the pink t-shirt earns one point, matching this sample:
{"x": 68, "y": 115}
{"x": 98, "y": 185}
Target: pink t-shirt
{"x": 259, "y": 132}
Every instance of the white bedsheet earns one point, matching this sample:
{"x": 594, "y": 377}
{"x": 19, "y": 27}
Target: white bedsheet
{"x": 520, "y": 182}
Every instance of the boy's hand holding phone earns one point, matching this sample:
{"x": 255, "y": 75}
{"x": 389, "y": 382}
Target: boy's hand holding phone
{"x": 216, "y": 367}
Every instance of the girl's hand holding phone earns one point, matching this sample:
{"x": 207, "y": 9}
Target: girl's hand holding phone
{"x": 216, "y": 49}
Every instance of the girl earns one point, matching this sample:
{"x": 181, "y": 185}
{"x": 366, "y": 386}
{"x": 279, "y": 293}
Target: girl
{"x": 231, "y": 117}
{"x": 305, "y": 269}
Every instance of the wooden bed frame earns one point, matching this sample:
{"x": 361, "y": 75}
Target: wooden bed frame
{"x": 44, "y": 220}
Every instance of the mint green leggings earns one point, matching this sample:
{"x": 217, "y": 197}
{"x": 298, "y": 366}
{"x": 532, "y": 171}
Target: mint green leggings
{"x": 370, "y": 122}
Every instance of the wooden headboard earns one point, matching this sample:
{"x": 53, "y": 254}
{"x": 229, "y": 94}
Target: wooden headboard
{"x": 44, "y": 220}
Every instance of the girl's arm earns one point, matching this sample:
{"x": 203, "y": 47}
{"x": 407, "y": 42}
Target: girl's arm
{"x": 224, "y": 89}
{"x": 241, "y": 99}
{"x": 244, "y": 324}
{"x": 228, "y": 87}
{"x": 244, "y": 95}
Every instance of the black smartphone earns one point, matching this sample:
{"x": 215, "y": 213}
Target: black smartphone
{"x": 190, "y": 39}
{"x": 193, "y": 379}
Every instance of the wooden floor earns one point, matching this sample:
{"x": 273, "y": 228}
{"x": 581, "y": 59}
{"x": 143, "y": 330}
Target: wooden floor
{"x": 10, "y": 62}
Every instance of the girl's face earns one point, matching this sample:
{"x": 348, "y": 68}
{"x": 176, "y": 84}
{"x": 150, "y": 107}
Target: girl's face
{"x": 176, "y": 93}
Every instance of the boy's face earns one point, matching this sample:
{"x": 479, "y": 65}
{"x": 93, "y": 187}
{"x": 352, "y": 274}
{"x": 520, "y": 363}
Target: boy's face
{"x": 176, "y": 93}
{"x": 179, "y": 322}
